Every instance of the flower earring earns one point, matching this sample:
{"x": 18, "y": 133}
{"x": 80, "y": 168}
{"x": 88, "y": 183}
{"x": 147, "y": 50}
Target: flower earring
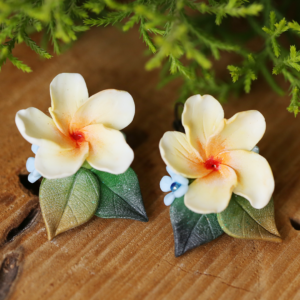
{"x": 231, "y": 185}
{"x": 82, "y": 155}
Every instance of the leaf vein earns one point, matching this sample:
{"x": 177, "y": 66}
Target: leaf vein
{"x": 192, "y": 232}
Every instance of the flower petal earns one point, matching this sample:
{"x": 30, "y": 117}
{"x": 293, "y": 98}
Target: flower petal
{"x": 34, "y": 176}
{"x": 202, "y": 117}
{"x": 180, "y": 155}
{"x": 181, "y": 191}
{"x": 30, "y": 164}
{"x": 109, "y": 151}
{"x": 180, "y": 179}
{"x": 68, "y": 92}
{"x": 241, "y": 132}
{"x": 177, "y": 178}
{"x": 34, "y": 148}
{"x": 38, "y": 129}
{"x": 212, "y": 193}
{"x": 255, "y": 177}
{"x": 165, "y": 184}
{"x": 59, "y": 163}
{"x": 170, "y": 171}
{"x": 112, "y": 108}
{"x": 169, "y": 198}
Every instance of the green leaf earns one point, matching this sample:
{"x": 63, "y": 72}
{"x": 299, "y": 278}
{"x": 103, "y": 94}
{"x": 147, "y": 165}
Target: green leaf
{"x": 281, "y": 27}
{"x": 132, "y": 21}
{"x": 295, "y": 26}
{"x": 68, "y": 202}
{"x": 272, "y": 19}
{"x": 190, "y": 229}
{"x": 110, "y": 19}
{"x": 19, "y": 64}
{"x": 276, "y": 47}
{"x": 293, "y": 52}
{"x": 294, "y": 105}
{"x": 94, "y": 6}
{"x": 120, "y": 196}
{"x": 33, "y": 46}
{"x": 235, "y": 72}
{"x": 241, "y": 220}
{"x": 277, "y": 69}
{"x": 267, "y": 30}
{"x": 249, "y": 77}
{"x": 147, "y": 39}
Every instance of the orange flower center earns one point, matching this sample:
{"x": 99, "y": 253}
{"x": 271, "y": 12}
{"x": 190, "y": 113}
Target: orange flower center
{"x": 212, "y": 164}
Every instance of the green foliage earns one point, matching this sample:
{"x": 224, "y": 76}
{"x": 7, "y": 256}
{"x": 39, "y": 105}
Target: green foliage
{"x": 190, "y": 229}
{"x": 275, "y": 30}
{"x": 246, "y": 72}
{"x": 120, "y": 196}
{"x": 59, "y": 20}
{"x": 185, "y": 37}
{"x": 240, "y": 220}
{"x": 232, "y": 8}
{"x": 69, "y": 202}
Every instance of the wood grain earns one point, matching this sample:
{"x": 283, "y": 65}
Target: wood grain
{"x": 124, "y": 259}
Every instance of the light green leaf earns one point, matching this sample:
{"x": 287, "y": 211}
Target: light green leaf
{"x": 241, "y": 220}
{"x": 235, "y": 72}
{"x": 120, "y": 196}
{"x": 276, "y": 47}
{"x": 190, "y": 229}
{"x": 293, "y": 52}
{"x": 295, "y": 26}
{"x": 68, "y": 202}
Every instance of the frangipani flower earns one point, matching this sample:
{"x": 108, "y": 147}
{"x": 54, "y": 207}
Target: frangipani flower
{"x": 175, "y": 184}
{"x": 217, "y": 153}
{"x": 81, "y": 128}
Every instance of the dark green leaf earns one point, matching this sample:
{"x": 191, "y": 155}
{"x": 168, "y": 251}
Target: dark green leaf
{"x": 120, "y": 196}
{"x": 190, "y": 229}
{"x": 68, "y": 202}
{"x": 241, "y": 220}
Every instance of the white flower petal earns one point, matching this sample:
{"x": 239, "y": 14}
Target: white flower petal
{"x": 202, "y": 117}
{"x": 109, "y": 151}
{"x": 30, "y": 164}
{"x": 59, "y": 163}
{"x": 169, "y": 198}
{"x": 68, "y": 92}
{"x": 181, "y": 191}
{"x": 170, "y": 171}
{"x": 255, "y": 177}
{"x": 212, "y": 193}
{"x": 112, "y": 108}
{"x": 241, "y": 132}
{"x": 177, "y": 178}
{"x": 40, "y": 130}
{"x": 34, "y": 176}
{"x": 180, "y": 179}
{"x": 165, "y": 184}
{"x": 181, "y": 156}
{"x": 34, "y": 148}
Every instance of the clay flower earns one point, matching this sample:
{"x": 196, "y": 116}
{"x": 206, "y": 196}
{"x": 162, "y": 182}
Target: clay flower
{"x": 81, "y": 128}
{"x": 217, "y": 153}
{"x": 34, "y": 175}
{"x": 175, "y": 184}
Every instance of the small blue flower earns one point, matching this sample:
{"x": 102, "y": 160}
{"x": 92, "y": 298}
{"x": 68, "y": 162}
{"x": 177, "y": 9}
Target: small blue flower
{"x": 177, "y": 184}
{"x": 34, "y": 175}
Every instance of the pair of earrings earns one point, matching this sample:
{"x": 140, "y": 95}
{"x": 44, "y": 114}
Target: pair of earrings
{"x": 218, "y": 182}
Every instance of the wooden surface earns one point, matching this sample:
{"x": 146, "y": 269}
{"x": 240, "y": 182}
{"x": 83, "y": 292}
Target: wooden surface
{"x": 124, "y": 259}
